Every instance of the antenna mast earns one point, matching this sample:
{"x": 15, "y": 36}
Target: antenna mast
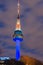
{"x": 18, "y": 7}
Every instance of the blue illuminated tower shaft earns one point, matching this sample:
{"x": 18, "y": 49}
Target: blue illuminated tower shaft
{"x": 18, "y": 37}
{"x": 17, "y": 49}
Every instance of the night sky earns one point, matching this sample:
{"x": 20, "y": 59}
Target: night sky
{"x": 31, "y": 16}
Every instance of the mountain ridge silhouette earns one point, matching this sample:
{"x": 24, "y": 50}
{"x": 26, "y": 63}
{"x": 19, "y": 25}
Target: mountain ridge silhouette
{"x": 30, "y": 61}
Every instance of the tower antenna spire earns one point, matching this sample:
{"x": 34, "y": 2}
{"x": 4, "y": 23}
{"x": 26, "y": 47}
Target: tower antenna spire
{"x": 18, "y": 25}
{"x": 18, "y": 7}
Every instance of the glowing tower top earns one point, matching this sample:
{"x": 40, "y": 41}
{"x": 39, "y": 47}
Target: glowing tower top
{"x": 18, "y": 32}
{"x": 18, "y": 25}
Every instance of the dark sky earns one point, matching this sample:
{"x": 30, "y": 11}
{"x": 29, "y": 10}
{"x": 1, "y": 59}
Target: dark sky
{"x": 32, "y": 26}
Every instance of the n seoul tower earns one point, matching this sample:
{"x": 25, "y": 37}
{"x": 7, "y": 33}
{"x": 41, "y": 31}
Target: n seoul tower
{"x": 18, "y": 35}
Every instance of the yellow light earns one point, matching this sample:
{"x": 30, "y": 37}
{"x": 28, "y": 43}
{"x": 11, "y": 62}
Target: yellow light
{"x": 18, "y": 26}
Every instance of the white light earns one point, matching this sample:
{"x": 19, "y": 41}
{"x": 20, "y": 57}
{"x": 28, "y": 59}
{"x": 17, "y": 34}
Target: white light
{"x": 4, "y": 58}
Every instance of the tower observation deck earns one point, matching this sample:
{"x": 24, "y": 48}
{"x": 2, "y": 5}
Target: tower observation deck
{"x": 18, "y": 35}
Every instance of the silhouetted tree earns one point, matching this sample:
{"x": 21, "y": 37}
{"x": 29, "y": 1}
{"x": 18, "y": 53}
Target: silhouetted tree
{"x": 13, "y": 62}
